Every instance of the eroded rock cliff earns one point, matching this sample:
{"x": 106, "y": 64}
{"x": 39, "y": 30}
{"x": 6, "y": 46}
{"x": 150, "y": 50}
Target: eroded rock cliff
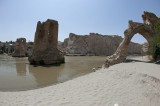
{"x": 95, "y": 44}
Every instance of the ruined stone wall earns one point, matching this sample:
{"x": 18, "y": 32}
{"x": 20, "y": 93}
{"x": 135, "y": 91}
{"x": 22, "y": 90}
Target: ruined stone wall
{"x": 20, "y": 48}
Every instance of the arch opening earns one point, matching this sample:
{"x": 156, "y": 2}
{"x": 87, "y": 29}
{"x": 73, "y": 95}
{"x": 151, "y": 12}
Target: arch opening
{"x": 138, "y": 46}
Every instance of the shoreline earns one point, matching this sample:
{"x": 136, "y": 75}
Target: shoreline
{"x": 126, "y": 84}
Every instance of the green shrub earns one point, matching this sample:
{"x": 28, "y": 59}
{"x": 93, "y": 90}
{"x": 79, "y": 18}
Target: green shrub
{"x": 26, "y": 54}
{"x": 30, "y": 43}
{"x": 156, "y": 42}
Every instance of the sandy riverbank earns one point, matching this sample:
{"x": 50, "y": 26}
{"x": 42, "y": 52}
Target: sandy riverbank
{"x": 134, "y": 83}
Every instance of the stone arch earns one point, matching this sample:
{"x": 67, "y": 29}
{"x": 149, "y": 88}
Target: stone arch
{"x": 145, "y": 29}
{"x": 142, "y": 29}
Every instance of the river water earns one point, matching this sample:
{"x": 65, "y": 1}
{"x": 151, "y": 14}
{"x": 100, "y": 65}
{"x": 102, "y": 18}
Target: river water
{"x": 17, "y": 74}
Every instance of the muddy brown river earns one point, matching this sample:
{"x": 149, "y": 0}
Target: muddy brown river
{"x": 17, "y": 74}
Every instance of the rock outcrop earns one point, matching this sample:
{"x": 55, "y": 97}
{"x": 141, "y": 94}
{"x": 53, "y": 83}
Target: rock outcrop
{"x": 63, "y": 45}
{"x": 146, "y": 29}
{"x": 145, "y": 48}
{"x": 95, "y": 44}
{"x": 45, "y": 44}
{"x": 20, "y": 48}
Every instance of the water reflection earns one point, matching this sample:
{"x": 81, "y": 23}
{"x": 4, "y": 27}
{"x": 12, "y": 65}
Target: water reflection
{"x": 76, "y": 66}
{"x": 45, "y": 75}
{"x": 21, "y": 67}
{"x": 17, "y": 74}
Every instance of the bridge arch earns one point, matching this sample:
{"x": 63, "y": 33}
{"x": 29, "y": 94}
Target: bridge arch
{"x": 146, "y": 29}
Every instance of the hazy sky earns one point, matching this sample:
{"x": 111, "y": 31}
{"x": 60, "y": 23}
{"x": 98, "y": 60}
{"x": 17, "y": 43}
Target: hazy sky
{"x": 18, "y": 18}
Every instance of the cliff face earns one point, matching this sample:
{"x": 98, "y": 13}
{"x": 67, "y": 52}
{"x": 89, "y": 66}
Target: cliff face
{"x": 134, "y": 48}
{"x": 145, "y": 48}
{"x": 95, "y": 44}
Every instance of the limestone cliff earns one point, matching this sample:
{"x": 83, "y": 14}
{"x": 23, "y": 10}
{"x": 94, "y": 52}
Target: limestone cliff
{"x": 145, "y": 48}
{"x": 95, "y": 44}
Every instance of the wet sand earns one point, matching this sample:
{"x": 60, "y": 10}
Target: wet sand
{"x": 133, "y": 83}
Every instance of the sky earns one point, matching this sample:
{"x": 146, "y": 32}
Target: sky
{"x": 18, "y": 18}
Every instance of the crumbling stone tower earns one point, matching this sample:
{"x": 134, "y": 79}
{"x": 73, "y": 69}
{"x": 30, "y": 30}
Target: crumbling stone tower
{"x": 20, "y": 48}
{"x": 45, "y": 44}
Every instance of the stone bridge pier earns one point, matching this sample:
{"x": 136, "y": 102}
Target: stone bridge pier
{"x": 20, "y": 48}
{"x": 45, "y": 50}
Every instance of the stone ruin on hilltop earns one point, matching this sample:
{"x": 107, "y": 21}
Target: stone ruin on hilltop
{"x": 146, "y": 29}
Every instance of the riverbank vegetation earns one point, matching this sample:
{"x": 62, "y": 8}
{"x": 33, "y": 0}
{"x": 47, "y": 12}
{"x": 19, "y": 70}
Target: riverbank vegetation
{"x": 156, "y": 42}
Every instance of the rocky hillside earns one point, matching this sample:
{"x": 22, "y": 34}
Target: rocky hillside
{"x": 95, "y": 44}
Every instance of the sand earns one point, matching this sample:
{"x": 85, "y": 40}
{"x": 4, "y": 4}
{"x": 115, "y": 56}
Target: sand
{"x": 126, "y": 84}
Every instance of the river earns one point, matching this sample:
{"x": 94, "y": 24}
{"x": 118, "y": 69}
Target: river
{"x": 17, "y": 74}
